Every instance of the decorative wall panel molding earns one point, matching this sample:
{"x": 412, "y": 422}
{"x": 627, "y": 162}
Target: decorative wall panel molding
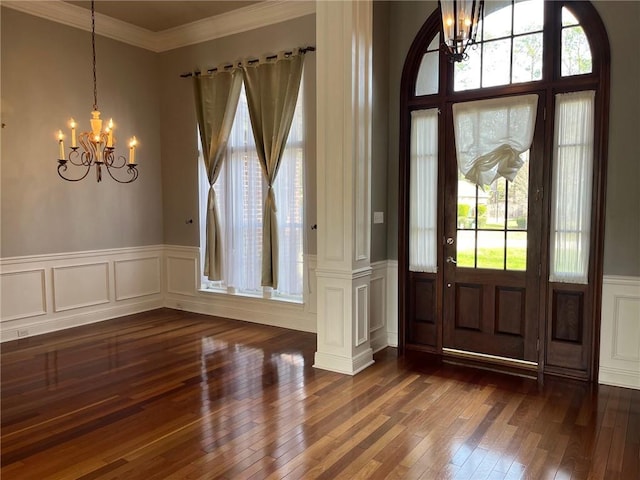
{"x": 137, "y": 277}
{"x": 182, "y": 273}
{"x": 620, "y": 332}
{"x": 45, "y": 293}
{"x": 77, "y": 286}
{"x": 391, "y": 319}
{"x": 23, "y": 294}
{"x": 378, "y": 306}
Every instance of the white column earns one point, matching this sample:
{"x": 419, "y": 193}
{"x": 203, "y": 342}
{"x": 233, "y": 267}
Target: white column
{"x": 344, "y": 40}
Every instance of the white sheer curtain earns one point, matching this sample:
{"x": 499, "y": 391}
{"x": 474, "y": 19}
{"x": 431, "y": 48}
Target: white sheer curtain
{"x": 423, "y": 191}
{"x": 491, "y": 134}
{"x": 239, "y": 189}
{"x": 289, "y": 190}
{"x": 571, "y": 196}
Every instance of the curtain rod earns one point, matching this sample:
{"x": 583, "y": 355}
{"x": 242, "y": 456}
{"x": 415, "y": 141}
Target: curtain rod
{"x": 249, "y": 62}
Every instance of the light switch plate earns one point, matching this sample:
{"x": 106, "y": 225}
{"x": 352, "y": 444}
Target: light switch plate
{"x": 378, "y": 217}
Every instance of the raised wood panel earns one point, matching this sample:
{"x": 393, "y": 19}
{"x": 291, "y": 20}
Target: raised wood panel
{"x": 469, "y": 307}
{"x": 422, "y": 329}
{"x": 568, "y": 348}
{"x": 137, "y": 277}
{"x": 567, "y": 316}
{"x": 78, "y": 286}
{"x": 510, "y": 311}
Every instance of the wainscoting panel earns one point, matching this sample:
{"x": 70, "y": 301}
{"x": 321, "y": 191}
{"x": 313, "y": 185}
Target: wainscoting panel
{"x": 362, "y": 314}
{"x": 45, "y": 293}
{"x": 620, "y": 332}
{"x": 182, "y": 280}
{"x": 391, "y": 319}
{"x": 23, "y": 294}
{"x": 182, "y": 273}
{"x": 378, "y": 306}
{"x": 137, "y": 277}
{"x": 77, "y": 286}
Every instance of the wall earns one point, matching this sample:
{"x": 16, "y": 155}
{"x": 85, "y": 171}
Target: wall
{"x": 178, "y": 124}
{"x": 405, "y": 20}
{"x": 622, "y": 234}
{"x": 380, "y": 128}
{"x": 46, "y": 79}
{"x": 622, "y": 221}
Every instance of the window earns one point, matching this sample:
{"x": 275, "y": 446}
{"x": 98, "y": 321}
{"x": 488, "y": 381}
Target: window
{"x": 493, "y": 220}
{"x": 509, "y": 31}
{"x": 572, "y": 174}
{"x": 423, "y": 194}
{"x": 241, "y": 190}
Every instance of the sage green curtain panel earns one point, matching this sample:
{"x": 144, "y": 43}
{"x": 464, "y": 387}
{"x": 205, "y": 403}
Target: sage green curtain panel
{"x": 272, "y": 92}
{"x": 216, "y": 99}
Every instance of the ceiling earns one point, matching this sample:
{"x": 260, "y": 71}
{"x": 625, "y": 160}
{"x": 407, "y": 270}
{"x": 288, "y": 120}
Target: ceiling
{"x": 157, "y": 16}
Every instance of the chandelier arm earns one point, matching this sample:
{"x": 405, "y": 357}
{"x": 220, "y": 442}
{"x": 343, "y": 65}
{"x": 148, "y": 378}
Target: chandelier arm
{"x": 74, "y": 155}
{"x": 131, "y": 170}
{"x": 62, "y": 167}
{"x": 110, "y": 159}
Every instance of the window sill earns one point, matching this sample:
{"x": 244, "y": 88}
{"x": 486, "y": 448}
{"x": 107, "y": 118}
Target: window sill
{"x": 224, "y": 292}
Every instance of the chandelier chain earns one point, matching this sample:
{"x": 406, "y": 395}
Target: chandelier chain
{"x": 93, "y": 46}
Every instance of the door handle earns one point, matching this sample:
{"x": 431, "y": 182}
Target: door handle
{"x": 450, "y": 259}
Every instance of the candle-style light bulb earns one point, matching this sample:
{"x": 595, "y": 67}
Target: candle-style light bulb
{"x": 73, "y": 125}
{"x": 132, "y": 150}
{"x": 110, "y": 133}
{"x": 61, "y": 145}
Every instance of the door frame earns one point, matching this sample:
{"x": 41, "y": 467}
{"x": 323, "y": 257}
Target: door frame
{"x": 539, "y": 162}
{"x": 551, "y": 84}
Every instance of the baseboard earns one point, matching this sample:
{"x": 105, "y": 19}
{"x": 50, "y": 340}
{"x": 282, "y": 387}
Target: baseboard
{"x": 249, "y": 309}
{"x": 64, "y": 322}
{"x": 344, "y": 365}
{"x": 619, "y": 378}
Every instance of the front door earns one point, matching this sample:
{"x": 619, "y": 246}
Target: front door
{"x": 492, "y": 244}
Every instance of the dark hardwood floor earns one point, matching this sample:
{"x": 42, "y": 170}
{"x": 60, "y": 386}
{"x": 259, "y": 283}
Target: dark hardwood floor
{"x": 173, "y": 395}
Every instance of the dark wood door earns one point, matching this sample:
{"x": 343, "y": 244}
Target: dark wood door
{"x": 493, "y": 237}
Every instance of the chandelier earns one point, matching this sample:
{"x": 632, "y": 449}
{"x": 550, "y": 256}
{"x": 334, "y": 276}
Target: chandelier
{"x": 97, "y": 146}
{"x": 460, "y": 20}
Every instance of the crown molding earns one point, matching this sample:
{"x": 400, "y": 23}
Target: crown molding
{"x": 236, "y": 21}
{"x": 78, "y": 17}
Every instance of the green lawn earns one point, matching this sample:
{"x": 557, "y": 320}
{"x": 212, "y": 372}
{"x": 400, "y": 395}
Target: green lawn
{"x": 494, "y": 258}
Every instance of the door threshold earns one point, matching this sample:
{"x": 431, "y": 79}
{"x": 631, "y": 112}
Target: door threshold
{"x": 485, "y": 361}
